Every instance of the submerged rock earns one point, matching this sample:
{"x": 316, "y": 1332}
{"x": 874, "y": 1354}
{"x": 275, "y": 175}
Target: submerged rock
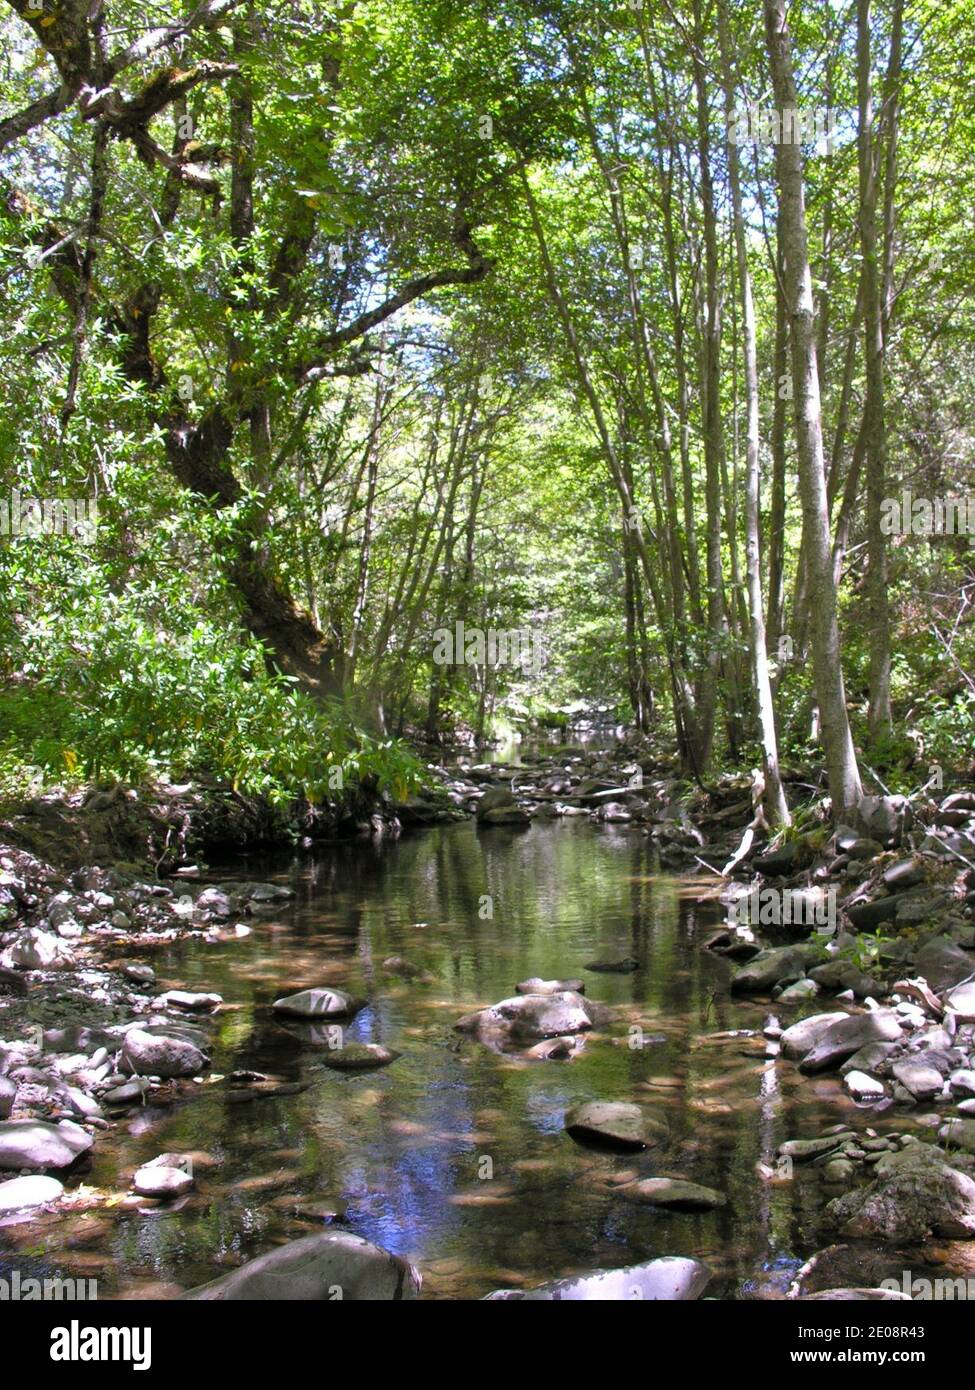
{"x": 675, "y": 1193}
{"x": 672, "y": 1279}
{"x": 332, "y": 1266}
{"x": 539, "y": 986}
{"x": 360, "y": 1057}
{"x": 626, "y": 966}
{"x": 615, "y": 1124}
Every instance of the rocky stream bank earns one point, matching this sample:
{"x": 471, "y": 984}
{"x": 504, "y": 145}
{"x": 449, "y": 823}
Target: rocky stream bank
{"x": 874, "y": 987}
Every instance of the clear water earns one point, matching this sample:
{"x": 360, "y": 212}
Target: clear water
{"x": 402, "y": 1152}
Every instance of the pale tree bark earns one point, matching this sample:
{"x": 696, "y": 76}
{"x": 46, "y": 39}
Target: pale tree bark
{"x": 874, "y": 432}
{"x": 775, "y": 803}
{"x": 844, "y": 775}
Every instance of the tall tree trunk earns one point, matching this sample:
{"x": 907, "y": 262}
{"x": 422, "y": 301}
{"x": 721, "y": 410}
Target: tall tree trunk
{"x": 879, "y": 716}
{"x": 844, "y": 775}
{"x": 775, "y": 802}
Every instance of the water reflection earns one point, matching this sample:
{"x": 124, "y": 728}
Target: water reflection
{"x": 402, "y": 1152}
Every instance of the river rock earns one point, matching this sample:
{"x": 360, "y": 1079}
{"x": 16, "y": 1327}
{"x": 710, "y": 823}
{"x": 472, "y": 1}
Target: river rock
{"x": 906, "y": 873}
{"x": 139, "y": 974}
{"x": 863, "y": 848}
{"x": 526, "y": 1016}
{"x": 914, "y": 1194}
{"x": 317, "y": 1003}
{"x": 801, "y": 1037}
{"x": 498, "y": 807}
{"x": 329, "y": 1267}
{"x": 919, "y": 1077}
{"x": 166, "y": 1176}
{"x": 782, "y": 964}
{"x": 848, "y": 1035}
{"x": 38, "y": 1144}
{"x": 556, "y": 1049}
{"x": 958, "y": 1134}
{"x": 961, "y": 1001}
{"x": 842, "y": 975}
{"x": 944, "y": 964}
{"x": 873, "y": 1057}
{"x": 779, "y": 861}
{"x": 867, "y": 915}
{"x": 615, "y": 1124}
{"x": 962, "y": 1083}
{"x": 805, "y": 1150}
{"x": 796, "y": 993}
{"x": 884, "y": 818}
{"x": 8, "y": 1094}
{"x": 675, "y": 1193}
{"x": 673, "y": 1279}
{"x": 863, "y": 1087}
{"x": 215, "y": 901}
{"x": 165, "y": 1054}
{"x": 359, "y": 1057}
{"x": 17, "y": 1194}
{"x": 189, "y": 1002}
{"x": 405, "y": 969}
{"x": 37, "y": 950}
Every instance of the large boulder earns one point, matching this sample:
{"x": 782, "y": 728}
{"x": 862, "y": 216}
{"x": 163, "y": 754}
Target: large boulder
{"x": 672, "y": 1279}
{"x": 38, "y": 1144}
{"x": 317, "y": 1004}
{"x": 165, "y": 1054}
{"x": 914, "y": 1194}
{"x": 333, "y": 1266}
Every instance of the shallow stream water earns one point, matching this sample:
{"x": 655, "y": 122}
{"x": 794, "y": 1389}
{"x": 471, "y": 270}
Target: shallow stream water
{"x": 455, "y": 1156}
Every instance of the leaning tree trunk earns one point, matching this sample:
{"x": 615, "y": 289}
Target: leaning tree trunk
{"x": 844, "y": 775}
